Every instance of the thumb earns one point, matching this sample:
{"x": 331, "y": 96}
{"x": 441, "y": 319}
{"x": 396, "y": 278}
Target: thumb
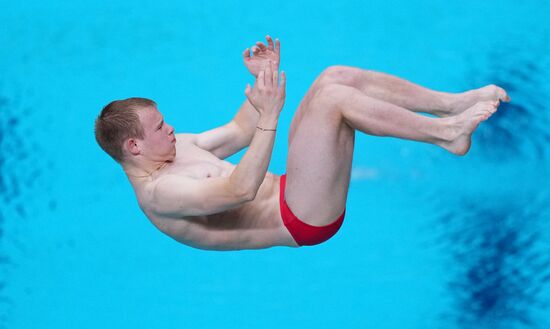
{"x": 248, "y": 93}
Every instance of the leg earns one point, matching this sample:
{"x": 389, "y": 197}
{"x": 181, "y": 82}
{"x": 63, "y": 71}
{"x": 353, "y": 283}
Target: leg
{"x": 320, "y": 156}
{"x": 409, "y": 95}
{"x": 397, "y": 91}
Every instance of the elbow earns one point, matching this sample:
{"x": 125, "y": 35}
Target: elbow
{"x": 244, "y": 192}
{"x": 244, "y": 196}
{"x": 249, "y": 196}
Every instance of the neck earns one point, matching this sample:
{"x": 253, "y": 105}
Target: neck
{"x": 144, "y": 169}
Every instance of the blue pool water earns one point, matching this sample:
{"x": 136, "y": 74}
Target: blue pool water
{"x": 430, "y": 240}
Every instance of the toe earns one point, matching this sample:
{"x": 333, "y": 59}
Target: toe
{"x": 503, "y": 95}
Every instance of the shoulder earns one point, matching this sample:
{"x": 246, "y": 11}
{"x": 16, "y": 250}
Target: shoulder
{"x": 185, "y": 138}
{"x": 167, "y": 184}
{"x": 185, "y": 141}
{"x": 151, "y": 192}
{"x": 152, "y": 195}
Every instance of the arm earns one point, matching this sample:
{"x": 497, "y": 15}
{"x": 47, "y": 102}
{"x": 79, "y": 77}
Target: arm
{"x": 180, "y": 196}
{"x": 250, "y": 172}
{"x": 222, "y": 141}
{"x": 247, "y": 117}
{"x": 234, "y": 136}
{"x": 247, "y": 120}
{"x": 268, "y": 98}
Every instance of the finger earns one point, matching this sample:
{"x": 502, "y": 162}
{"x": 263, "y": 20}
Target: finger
{"x": 261, "y": 45}
{"x": 268, "y": 76}
{"x": 282, "y": 87}
{"x": 261, "y": 82}
{"x": 255, "y": 50}
{"x": 246, "y": 53}
{"x": 248, "y": 93}
{"x": 269, "y": 42}
{"x": 278, "y": 49}
{"x": 275, "y": 79}
{"x": 272, "y": 81}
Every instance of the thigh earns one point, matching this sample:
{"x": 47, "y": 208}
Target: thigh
{"x": 319, "y": 164}
{"x": 332, "y": 75}
{"x": 304, "y": 107}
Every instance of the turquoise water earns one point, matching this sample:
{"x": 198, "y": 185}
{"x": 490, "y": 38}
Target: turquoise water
{"x": 430, "y": 240}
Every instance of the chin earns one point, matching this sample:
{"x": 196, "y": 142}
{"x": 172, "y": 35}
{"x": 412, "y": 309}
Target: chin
{"x": 172, "y": 156}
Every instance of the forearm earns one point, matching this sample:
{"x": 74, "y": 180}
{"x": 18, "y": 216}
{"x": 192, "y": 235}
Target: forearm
{"x": 247, "y": 119}
{"x": 250, "y": 172}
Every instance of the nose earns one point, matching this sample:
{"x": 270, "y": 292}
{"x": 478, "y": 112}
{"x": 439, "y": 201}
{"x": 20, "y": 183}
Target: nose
{"x": 170, "y": 130}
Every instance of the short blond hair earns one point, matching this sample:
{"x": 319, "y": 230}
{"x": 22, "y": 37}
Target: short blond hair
{"x": 119, "y": 121}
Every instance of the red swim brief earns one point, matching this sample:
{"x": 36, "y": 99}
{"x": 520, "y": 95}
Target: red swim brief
{"x": 303, "y": 233}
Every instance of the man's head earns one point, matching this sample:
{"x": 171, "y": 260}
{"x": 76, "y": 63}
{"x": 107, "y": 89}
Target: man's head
{"x": 132, "y": 129}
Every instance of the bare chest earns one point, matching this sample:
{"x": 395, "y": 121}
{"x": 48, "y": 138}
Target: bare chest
{"x": 194, "y": 162}
{"x": 252, "y": 225}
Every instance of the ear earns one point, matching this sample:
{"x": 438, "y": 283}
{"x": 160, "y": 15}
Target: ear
{"x": 131, "y": 146}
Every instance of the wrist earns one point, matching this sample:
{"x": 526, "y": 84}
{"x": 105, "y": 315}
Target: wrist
{"x": 268, "y": 121}
{"x": 265, "y": 129}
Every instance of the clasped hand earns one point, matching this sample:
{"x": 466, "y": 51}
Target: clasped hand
{"x": 261, "y": 55}
{"x": 267, "y": 96}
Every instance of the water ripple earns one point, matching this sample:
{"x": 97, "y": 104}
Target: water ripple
{"x": 17, "y": 178}
{"x": 519, "y": 129}
{"x": 500, "y": 260}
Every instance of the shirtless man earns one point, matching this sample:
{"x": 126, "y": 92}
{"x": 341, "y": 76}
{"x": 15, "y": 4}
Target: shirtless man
{"x": 190, "y": 193}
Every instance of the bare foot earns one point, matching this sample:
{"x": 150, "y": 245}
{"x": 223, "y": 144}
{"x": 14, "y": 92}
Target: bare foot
{"x": 463, "y": 125}
{"x": 467, "y": 99}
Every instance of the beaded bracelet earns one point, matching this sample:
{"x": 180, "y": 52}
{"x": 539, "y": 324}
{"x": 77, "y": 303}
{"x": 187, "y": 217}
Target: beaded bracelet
{"x": 263, "y": 129}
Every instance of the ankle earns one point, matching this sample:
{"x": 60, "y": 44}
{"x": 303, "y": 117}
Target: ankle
{"x": 449, "y": 129}
{"x": 453, "y": 101}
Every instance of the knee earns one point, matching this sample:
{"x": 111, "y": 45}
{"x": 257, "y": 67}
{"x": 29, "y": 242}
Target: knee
{"x": 339, "y": 74}
{"x": 329, "y": 96}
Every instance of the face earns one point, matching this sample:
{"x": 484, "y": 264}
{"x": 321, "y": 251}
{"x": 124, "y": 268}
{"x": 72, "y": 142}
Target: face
{"x": 159, "y": 143}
